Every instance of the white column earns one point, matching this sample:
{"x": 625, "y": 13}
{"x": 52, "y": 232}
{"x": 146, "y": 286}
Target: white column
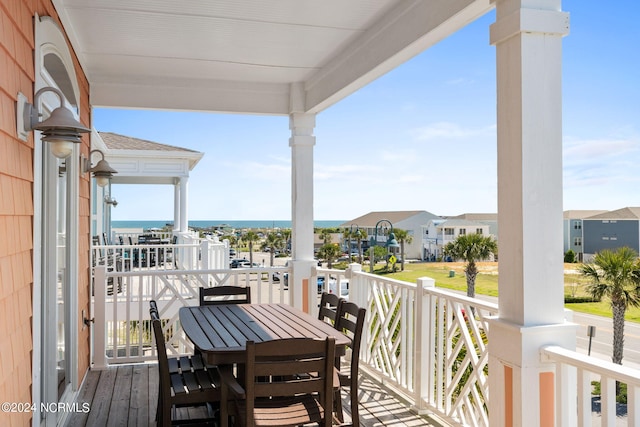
{"x": 301, "y": 142}
{"x": 176, "y": 206}
{"x": 184, "y": 204}
{"x": 528, "y": 39}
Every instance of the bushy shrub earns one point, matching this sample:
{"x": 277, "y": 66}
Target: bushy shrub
{"x": 570, "y": 256}
{"x": 572, "y": 299}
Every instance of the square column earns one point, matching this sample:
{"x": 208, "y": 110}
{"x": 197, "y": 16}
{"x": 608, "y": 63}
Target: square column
{"x": 528, "y": 39}
{"x": 176, "y": 205}
{"x": 184, "y": 204}
{"x": 301, "y": 142}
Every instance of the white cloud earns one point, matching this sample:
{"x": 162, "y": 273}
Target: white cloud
{"x": 449, "y": 130}
{"x": 601, "y": 173}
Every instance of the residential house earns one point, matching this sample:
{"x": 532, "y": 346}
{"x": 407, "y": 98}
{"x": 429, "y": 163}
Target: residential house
{"x": 490, "y": 219}
{"x": 572, "y": 230}
{"x": 439, "y": 232}
{"x": 411, "y": 221}
{"x": 611, "y": 230}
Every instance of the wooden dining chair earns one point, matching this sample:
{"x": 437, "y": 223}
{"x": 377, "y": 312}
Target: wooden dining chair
{"x": 225, "y": 295}
{"x": 329, "y": 305}
{"x": 298, "y": 389}
{"x": 349, "y": 321}
{"x": 184, "y": 381}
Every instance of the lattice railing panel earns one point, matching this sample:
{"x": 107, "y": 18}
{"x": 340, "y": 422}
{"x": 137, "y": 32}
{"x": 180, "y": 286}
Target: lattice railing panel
{"x": 388, "y": 340}
{"x": 461, "y": 365}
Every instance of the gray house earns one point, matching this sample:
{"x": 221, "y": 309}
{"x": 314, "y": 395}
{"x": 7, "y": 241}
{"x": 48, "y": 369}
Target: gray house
{"x": 611, "y": 230}
{"x": 572, "y": 233}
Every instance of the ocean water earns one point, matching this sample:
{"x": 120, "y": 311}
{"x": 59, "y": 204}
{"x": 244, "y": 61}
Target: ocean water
{"x": 233, "y": 224}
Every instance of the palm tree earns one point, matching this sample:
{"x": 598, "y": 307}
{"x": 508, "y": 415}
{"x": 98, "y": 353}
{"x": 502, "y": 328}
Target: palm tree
{"x": 347, "y": 235}
{"x": 402, "y": 236}
{"x": 325, "y": 235}
{"x": 286, "y": 236}
{"x": 251, "y": 237}
{"x": 273, "y": 241}
{"x": 471, "y": 248}
{"x": 329, "y": 252}
{"x": 615, "y": 274}
{"x": 360, "y": 235}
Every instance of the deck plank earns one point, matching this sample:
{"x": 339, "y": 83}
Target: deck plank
{"x": 128, "y": 395}
{"x": 99, "y": 412}
{"x": 139, "y": 408}
{"x": 86, "y": 395}
{"x": 122, "y": 396}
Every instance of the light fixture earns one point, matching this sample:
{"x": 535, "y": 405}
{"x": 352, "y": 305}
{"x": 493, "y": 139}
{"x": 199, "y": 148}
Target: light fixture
{"x": 102, "y": 171}
{"x": 391, "y": 243}
{"x": 108, "y": 200}
{"x": 60, "y": 129}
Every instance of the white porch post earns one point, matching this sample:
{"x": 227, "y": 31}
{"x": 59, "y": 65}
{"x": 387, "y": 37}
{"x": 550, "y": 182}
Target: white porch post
{"x": 301, "y": 142}
{"x": 528, "y": 39}
{"x": 184, "y": 203}
{"x": 176, "y": 205}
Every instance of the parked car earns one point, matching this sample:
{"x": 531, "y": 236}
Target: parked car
{"x": 242, "y": 263}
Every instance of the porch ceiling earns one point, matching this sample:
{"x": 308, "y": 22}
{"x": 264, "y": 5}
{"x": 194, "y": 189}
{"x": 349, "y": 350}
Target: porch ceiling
{"x": 246, "y": 56}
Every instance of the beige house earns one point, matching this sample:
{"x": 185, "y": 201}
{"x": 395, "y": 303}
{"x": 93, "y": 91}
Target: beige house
{"x": 411, "y": 221}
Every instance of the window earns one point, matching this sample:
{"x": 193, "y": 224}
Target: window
{"x": 448, "y": 231}
{"x": 463, "y": 231}
{"x": 478, "y": 230}
{"x": 577, "y": 241}
{"x": 577, "y": 225}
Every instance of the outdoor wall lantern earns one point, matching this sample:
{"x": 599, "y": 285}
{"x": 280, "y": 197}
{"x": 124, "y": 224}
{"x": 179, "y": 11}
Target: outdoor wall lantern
{"x": 110, "y": 201}
{"x": 391, "y": 243}
{"x": 102, "y": 171}
{"x": 60, "y": 129}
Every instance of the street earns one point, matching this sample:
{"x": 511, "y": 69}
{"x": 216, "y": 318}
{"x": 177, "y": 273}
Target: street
{"x": 602, "y": 342}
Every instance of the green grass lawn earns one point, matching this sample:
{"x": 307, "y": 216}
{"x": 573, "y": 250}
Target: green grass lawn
{"x": 487, "y": 284}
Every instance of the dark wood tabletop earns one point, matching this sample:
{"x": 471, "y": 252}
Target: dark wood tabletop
{"x": 221, "y": 331}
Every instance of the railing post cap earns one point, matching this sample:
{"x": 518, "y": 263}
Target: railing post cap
{"x": 426, "y": 282}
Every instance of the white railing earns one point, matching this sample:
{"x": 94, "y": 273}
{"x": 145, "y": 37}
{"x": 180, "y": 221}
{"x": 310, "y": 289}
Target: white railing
{"x": 575, "y": 373}
{"x": 428, "y": 343}
{"x": 327, "y": 280}
{"x": 200, "y": 254}
{"x": 121, "y": 306}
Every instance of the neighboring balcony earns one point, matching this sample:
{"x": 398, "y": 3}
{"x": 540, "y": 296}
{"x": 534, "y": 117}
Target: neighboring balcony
{"x": 426, "y": 346}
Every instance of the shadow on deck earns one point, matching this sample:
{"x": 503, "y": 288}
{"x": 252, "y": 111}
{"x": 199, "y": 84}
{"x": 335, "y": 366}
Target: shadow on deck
{"x": 128, "y": 395}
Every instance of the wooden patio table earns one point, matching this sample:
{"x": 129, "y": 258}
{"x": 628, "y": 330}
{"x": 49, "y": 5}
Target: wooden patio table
{"x": 221, "y": 331}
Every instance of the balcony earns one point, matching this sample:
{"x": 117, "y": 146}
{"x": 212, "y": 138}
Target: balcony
{"x": 426, "y": 347}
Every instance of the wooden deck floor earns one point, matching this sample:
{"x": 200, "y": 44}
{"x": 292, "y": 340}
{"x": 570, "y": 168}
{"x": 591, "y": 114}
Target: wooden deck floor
{"x": 127, "y": 395}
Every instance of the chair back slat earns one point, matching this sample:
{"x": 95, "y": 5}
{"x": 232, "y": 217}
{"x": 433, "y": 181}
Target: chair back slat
{"x": 329, "y": 305}
{"x": 225, "y": 295}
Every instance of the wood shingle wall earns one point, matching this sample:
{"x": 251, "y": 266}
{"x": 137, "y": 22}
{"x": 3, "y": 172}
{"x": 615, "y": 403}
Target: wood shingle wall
{"x": 17, "y": 74}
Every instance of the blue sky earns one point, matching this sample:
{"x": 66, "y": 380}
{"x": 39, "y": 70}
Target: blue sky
{"x": 421, "y": 137}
